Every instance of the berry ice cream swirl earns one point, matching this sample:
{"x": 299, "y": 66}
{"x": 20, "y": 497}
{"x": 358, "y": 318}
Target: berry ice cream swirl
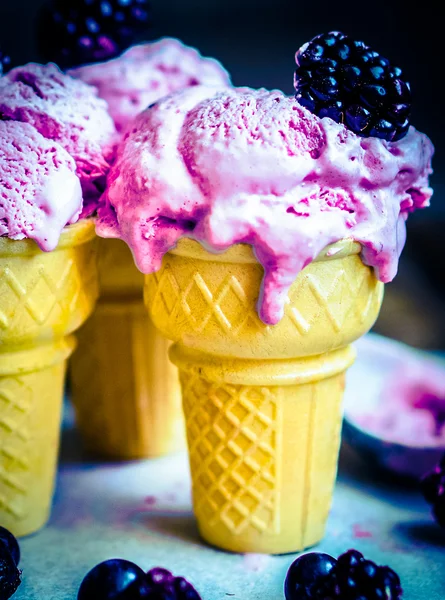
{"x": 231, "y": 166}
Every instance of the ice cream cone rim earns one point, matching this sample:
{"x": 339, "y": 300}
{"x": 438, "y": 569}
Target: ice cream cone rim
{"x": 238, "y": 371}
{"x": 243, "y": 253}
{"x": 26, "y": 360}
{"x": 72, "y": 235}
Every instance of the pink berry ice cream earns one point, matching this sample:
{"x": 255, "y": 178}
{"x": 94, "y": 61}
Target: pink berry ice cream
{"x": 40, "y": 192}
{"x": 247, "y": 166}
{"x": 411, "y": 410}
{"x": 145, "y": 73}
{"x": 64, "y": 110}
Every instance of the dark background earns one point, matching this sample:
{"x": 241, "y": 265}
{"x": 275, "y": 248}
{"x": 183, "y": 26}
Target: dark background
{"x": 257, "y": 39}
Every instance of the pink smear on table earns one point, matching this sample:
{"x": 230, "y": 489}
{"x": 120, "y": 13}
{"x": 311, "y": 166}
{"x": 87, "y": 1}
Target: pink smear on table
{"x": 359, "y": 533}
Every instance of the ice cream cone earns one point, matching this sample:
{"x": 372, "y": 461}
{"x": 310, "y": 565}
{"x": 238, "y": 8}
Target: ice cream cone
{"x": 121, "y": 370}
{"x": 262, "y": 403}
{"x": 44, "y": 298}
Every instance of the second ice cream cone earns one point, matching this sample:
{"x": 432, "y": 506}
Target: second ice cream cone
{"x": 262, "y": 403}
{"x": 125, "y": 391}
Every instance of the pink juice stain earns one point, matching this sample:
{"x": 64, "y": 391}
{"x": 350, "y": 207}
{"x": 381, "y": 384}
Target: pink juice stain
{"x": 150, "y": 501}
{"x": 359, "y": 533}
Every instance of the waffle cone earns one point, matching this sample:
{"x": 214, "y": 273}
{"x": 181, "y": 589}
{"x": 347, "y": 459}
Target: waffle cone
{"x": 262, "y": 404}
{"x": 125, "y": 391}
{"x": 45, "y": 297}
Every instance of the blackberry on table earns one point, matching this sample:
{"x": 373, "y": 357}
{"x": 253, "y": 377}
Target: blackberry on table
{"x": 306, "y": 574}
{"x": 344, "y": 79}
{"x": 163, "y": 585}
{"x": 76, "y": 32}
{"x": 355, "y": 578}
{"x": 10, "y": 576}
{"x": 317, "y": 576}
{"x": 12, "y": 545}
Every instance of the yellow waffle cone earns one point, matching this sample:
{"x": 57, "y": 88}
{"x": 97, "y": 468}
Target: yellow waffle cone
{"x": 44, "y": 298}
{"x": 125, "y": 391}
{"x": 262, "y": 404}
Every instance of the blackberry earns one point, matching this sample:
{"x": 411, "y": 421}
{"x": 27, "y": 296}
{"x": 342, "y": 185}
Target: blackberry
{"x": 76, "y": 32}
{"x": 432, "y": 486}
{"x": 5, "y": 63}
{"x": 11, "y": 543}
{"x": 346, "y": 80}
{"x": 10, "y": 576}
{"x": 306, "y": 574}
{"x": 114, "y": 579}
{"x": 355, "y": 578}
{"x": 317, "y": 576}
{"x": 163, "y": 585}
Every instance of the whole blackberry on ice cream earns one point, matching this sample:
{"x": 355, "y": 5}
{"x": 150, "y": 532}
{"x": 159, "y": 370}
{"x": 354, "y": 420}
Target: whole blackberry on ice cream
{"x": 346, "y": 80}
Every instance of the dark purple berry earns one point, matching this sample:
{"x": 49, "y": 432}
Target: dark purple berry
{"x": 432, "y": 486}
{"x": 76, "y": 32}
{"x": 356, "y": 578}
{"x": 163, "y": 585}
{"x": 5, "y": 63}
{"x": 11, "y": 543}
{"x": 114, "y": 579}
{"x": 334, "y": 70}
{"x": 184, "y": 590}
{"x": 305, "y": 575}
{"x": 10, "y": 576}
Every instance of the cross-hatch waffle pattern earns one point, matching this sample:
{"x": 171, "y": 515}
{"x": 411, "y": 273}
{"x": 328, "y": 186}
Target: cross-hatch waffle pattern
{"x": 30, "y": 410}
{"x": 183, "y": 298}
{"x": 44, "y": 293}
{"x": 234, "y": 446}
{"x": 16, "y": 408}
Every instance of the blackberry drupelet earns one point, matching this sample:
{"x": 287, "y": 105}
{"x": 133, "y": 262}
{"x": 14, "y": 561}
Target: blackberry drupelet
{"x": 433, "y": 489}
{"x": 5, "y": 63}
{"x": 76, "y": 32}
{"x": 345, "y": 80}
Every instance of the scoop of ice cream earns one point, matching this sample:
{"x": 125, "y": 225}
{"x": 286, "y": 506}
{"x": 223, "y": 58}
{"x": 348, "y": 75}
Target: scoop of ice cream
{"x": 65, "y": 110}
{"x": 253, "y": 166}
{"x": 40, "y": 192}
{"x": 145, "y": 73}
